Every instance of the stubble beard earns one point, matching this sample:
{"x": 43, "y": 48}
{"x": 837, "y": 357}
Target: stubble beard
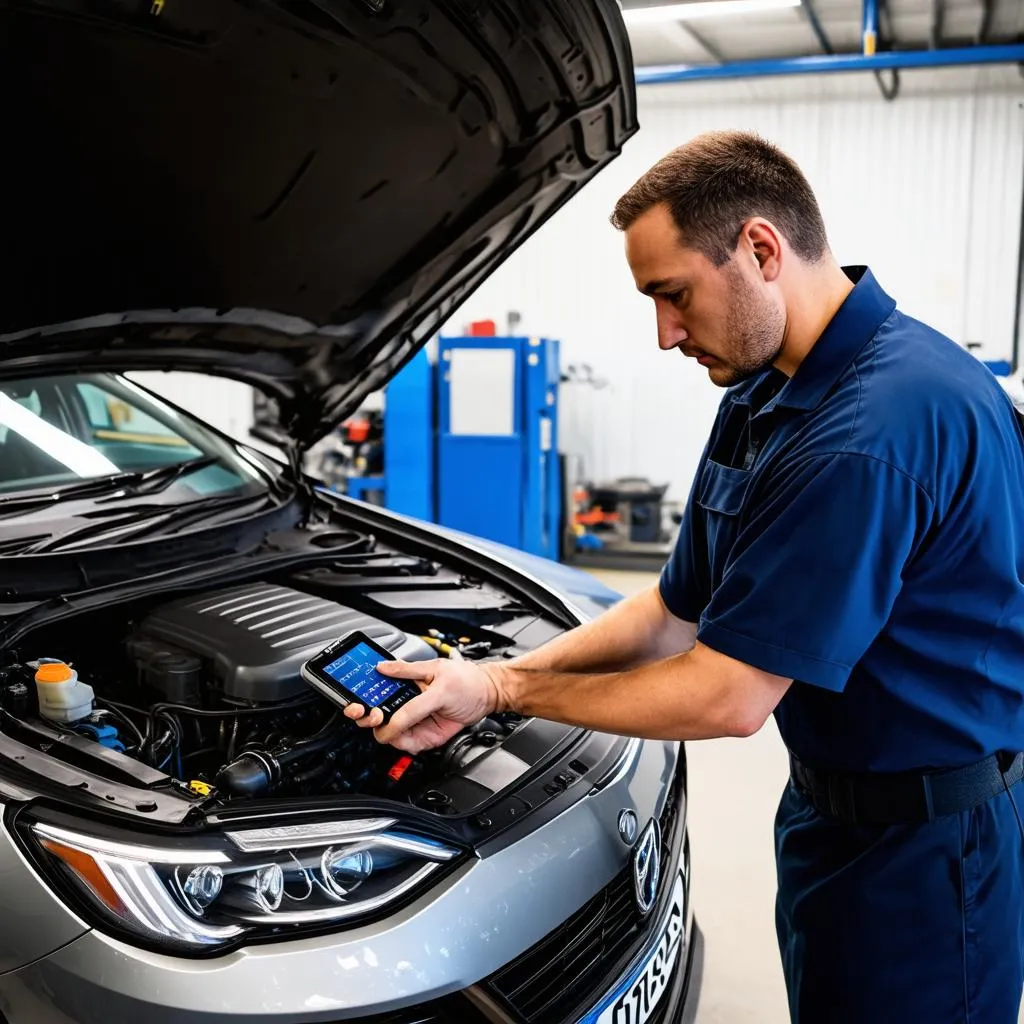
{"x": 756, "y": 329}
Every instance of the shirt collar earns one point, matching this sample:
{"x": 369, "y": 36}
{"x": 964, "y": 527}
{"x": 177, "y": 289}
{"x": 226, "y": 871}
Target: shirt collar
{"x": 856, "y": 322}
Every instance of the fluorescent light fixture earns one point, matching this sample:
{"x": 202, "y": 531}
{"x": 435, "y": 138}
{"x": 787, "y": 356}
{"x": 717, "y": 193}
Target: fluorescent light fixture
{"x": 67, "y": 450}
{"x": 701, "y": 9}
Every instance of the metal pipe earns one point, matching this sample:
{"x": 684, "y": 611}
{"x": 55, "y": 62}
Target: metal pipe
{"x": 985, "y": 24}
{"x": 891, "y": 89}
{"x": 886, "y": 35}
{"x": 938, "y": 20}
{"x": 816, "y": 27}
{"x": 821, "y": 64}
{"x": 869, "y": 32}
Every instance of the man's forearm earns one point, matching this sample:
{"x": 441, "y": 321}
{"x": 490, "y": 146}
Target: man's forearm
{"x": 688, "y": 696}
{"x": 637, "y": 630}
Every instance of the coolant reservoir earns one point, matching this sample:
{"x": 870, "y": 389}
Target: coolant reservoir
{"x": 62, "y": 697}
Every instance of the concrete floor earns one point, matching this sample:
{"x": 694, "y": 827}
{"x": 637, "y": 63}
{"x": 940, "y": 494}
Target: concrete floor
{"x": 734, "y": 787}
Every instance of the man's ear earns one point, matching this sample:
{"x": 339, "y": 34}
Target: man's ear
{"x": 764, "y": 242}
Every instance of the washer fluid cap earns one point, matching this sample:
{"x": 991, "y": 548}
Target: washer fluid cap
{"x": 54, "y": 672}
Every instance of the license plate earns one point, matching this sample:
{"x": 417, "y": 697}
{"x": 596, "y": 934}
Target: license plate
{"x": 636, "y": 998}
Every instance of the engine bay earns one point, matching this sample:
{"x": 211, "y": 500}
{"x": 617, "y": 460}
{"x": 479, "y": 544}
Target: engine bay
{"x": 205, "y": 689}
{"x": 159, "y": 726}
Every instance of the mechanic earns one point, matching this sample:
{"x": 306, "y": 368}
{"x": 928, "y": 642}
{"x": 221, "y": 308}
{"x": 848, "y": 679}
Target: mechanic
{"x": 851, "y": 560}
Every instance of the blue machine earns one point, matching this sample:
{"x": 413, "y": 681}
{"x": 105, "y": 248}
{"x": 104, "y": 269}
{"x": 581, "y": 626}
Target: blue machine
{"x": 409, "y": 440}
{"x": 498, "y": 471}
{"x": 407, "y": 483}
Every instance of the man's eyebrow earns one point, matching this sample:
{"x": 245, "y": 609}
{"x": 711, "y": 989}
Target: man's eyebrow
{"x": 660, "y": 285}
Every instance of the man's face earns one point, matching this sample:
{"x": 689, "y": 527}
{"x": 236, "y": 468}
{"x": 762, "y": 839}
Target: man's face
{"x": 724, "y": 317}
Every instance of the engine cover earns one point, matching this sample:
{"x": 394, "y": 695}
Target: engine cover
{"x": 255, "y": 637}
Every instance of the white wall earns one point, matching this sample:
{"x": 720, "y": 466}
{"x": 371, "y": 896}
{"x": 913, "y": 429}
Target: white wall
{"x": 226, "y": 404}
{"x": 926, "y": 190}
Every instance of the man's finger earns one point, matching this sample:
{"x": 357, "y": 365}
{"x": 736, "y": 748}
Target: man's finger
{"x": 409, "y": 715}
{"x": 366, "y": 719}
{"x": 407, "y": 742}
{"x": 354, "y": 711}
{"x": 421, "y": 671}
{"x": 374, "y": 718}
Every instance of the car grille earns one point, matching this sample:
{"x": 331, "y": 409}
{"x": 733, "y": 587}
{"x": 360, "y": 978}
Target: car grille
{"x": 562, "y": 971}
{"x": 452, "y": 1010}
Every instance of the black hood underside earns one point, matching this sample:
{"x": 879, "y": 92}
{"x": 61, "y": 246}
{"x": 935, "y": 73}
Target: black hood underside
{"x": 293, "y": 193}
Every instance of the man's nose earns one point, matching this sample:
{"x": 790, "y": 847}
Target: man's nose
{"x": 671, "y": 332}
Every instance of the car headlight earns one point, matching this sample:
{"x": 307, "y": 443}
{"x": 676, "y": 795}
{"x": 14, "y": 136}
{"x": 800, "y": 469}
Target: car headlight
{"x": 206, "y": 893}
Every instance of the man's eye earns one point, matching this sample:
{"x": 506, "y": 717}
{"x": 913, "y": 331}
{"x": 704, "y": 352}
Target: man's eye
{"x": 674, "y": 297}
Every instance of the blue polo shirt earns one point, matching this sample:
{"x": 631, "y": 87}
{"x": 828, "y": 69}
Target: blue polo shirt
{"x": 859, "y": 528}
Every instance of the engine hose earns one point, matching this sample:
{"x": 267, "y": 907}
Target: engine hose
{"x": 184, "y": 709}
{"x": 285, "y": 755}
{"x": 250, "y": 774}
{"x": 233, "y": 740}
{"x": 256, "y": 770}
{"x": 312, "y": 774}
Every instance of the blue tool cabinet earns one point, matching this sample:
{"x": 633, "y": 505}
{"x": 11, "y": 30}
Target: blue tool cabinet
{"x": 499, "y": 475}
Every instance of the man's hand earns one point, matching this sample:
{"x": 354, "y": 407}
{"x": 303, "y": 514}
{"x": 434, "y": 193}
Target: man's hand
{"x": 455, "y": 694}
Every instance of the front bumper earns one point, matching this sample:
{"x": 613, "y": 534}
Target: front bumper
{"x": 423, "y": 965}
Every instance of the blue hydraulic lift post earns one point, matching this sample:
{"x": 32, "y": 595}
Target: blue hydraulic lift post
{"x": 1012, "y": 53}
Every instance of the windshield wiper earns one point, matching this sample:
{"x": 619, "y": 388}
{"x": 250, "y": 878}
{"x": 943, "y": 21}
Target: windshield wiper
{"x": 150, "y": 481}
{"x": 153, "y": 481}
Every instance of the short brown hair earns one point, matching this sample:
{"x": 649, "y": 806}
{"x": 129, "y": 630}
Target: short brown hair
{"x": 716, "y": 182}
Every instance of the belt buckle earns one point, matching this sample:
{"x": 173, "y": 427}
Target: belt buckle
{"x": 841, "y": 802}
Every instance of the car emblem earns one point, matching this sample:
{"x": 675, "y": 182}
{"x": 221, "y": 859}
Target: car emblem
{"x": 628, "y": 826}
{"x": 647, "y": 868}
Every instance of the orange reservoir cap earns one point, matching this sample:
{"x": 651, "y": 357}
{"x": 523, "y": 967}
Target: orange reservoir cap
{"x": 54, "y": 672}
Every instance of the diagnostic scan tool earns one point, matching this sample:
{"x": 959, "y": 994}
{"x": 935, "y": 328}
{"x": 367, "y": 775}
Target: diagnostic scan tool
{"x": 346, "y": 673}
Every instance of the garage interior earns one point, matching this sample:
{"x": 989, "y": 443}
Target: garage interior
{"x": 908, "y": 118}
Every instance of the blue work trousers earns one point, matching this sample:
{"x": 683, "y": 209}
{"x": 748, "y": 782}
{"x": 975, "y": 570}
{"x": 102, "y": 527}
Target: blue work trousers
{"x": 908, "y": 924}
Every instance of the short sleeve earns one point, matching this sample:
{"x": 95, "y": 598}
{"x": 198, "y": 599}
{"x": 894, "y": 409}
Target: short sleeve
{"x": 815, "y": 571}
{"x": 685, "y": 583}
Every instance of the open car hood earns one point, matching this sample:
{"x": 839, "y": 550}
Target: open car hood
{"x": 293, "y": 193}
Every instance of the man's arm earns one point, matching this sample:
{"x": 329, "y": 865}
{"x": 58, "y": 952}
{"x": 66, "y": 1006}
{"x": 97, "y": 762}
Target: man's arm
{"x": 697, "y": 695}
{"x": 637, "y": 630}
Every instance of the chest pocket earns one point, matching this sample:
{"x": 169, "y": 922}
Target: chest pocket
{"x": 721, "y": 494}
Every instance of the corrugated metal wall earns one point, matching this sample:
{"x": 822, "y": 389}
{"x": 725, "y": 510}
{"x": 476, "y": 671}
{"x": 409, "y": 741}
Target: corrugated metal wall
{"x": 927, "y": 190}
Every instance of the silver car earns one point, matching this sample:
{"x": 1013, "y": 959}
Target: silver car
{"x": 291, "y": 193}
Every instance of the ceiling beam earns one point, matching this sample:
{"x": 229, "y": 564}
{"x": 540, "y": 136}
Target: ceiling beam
{"x": 964, "y": 56}
{"x": 684, "y": 33}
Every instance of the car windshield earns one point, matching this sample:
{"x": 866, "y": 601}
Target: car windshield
{"x": 61, "y": 430}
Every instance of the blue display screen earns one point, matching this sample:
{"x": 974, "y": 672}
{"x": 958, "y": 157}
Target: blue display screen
{"x": 356, "y": 671}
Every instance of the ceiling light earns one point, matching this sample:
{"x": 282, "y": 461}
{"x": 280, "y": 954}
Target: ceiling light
{"x": 701, "y": 9}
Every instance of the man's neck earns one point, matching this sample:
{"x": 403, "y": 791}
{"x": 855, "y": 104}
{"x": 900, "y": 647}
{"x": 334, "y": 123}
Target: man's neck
{"x": 813, "y": 299}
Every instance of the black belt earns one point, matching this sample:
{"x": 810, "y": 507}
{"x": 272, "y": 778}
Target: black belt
{"x": 905, "y": 798}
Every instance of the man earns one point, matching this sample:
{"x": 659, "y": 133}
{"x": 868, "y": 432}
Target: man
{"x": 851, "y": 560}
